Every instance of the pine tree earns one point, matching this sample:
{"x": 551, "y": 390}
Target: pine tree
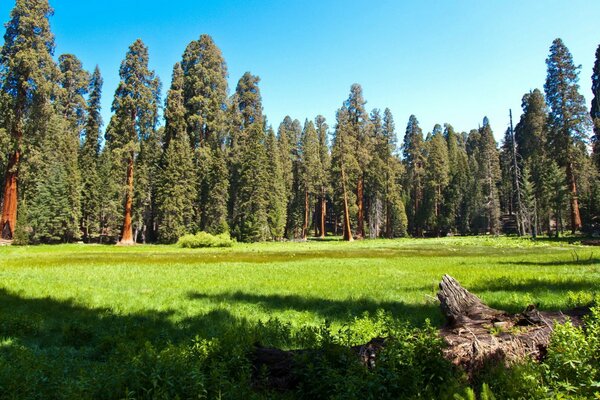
{"x": 74, "y": 86}
{"x": 568, "y": 118}
{"x": 133, "y": 124}
{"x": 310, "y": 165}
{"x": 488, "y": 177}
{"x": 89, "y": 161}
{"x": 376, "y": 175}
{"x": 54, "y": 207}
{"x": 289, "y": 136}
{"x": 176, "y": 189}
{"x": 595, "y": 109}
{"x": 205, "y": 101}
{"x": 28, "y": 81}
{"x": 344, "y": 170}
{"x": 250, "y": 181}
{"x": 277, "y": 200}
{"x": 436, "y": 179}
{"x": 323, "y": 185}
{"x": 414, "y": 159}
{"x": 454, "y": 209}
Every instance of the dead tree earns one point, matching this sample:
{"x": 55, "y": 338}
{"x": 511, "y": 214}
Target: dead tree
{"x": 474, "y": 334}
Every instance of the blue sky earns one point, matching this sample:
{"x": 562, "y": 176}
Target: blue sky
{"x": 444, "y": 61}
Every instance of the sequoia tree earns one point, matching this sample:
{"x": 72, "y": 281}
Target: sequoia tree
{"x": 27, "y": 77}
{"x": 568, "y": 118}
{"x": 135, "y": 109}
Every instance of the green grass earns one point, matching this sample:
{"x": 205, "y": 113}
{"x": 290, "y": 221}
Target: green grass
{"x": 85, "y": 301}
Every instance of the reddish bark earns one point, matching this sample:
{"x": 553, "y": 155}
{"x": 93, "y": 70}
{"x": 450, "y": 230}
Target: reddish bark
{"x": 575, "y": 216}
{"x": 323, "y": 214}
{"x": 9, "y": 207}
{"x": 127, "y": 232}
{"x": 360, "y": 229}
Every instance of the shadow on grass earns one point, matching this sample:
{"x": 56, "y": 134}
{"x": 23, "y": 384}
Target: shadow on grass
{"x": 533, "y": 285}
{"x": 330, "y": 310}
{"x": 582, "y": 260}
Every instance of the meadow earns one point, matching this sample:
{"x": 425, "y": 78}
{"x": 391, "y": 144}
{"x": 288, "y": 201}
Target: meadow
{"x": 83, "y": 312}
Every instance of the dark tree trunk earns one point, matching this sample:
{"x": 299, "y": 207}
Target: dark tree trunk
{"x": 9, "y": 206}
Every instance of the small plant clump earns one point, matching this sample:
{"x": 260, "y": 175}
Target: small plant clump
{"x": 204, "y": 239}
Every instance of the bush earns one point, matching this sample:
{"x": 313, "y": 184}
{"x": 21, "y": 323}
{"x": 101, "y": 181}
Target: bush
{"x": 204, "y": 239}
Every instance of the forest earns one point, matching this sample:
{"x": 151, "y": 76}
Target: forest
{"x": 205, "y": 160}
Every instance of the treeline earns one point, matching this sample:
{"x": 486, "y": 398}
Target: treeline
{"x": 217, "y": 164}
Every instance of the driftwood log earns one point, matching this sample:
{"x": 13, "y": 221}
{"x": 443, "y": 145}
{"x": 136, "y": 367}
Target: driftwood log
{"x": 474, "y": 334}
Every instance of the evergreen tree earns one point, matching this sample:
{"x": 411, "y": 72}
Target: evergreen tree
{"x": 454, "y": 211}
{"x": 436, "y": 179}
{"x": 54, "y": 207}
{"x": 89, "y": 161}
{"x": 310, "y": 167}
{"x": 376, "y": 176}
{"x": 27, "y": 79}
{"x": 277, "y": 200}
{"x": 131, "y": 132}
{"x": 488, "y": 177}
{"x": 568, "y": 118}
{"x": 205, "y": 101}
{"x": 289, "y": 136}
{"x": 413, "y": 151}
{"x": 176, "y": 190}
{"x": 74, "y": 85}
{"x": 323, "y": 185}
{"x": 250, "y": 181}
{"x": 595, "y": 109}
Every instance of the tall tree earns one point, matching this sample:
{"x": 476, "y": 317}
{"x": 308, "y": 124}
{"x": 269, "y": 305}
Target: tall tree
{"x": 595, "y": 109}
{"x": 135, "y": 109}
{"x": 488, "y": 177}
{"x": 568, "y": 118}
{"x": 436, "y": 178}
{"x": 454, "y": 210}
{"x": 310, "y": 167}
{"x": 413, "y": 150}
{"x": 323, "y": 184}
{"x": 276, "y": 193}
{"x": 89, "y": 161}
{"x": 176, "y": 190}
{"x": 28, "y": 71}
{"x": 74, "y": 85}
{"x": 205, "y": 101}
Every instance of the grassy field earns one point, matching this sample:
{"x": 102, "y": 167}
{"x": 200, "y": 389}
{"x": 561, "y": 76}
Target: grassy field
{"x": 87, "y": 300}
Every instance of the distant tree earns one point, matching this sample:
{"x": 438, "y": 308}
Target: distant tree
{"x": 310, "y": 167}
{"x": 436, "y": 179}
{"x": 413, "y": 150}
{"x": 324, "y": 185}
{"x": 89, "y": 161}
{"x": 454, "y": 211}
{"x": 489, "y": 176}
{"x": 27, "y": 80}
{"x": 277, "y": 200}
{"x": 176, "y": 188}
{"x": 568, "y": 118}
{"x": 595, "y": 109}
{"x": 132, "y": 129}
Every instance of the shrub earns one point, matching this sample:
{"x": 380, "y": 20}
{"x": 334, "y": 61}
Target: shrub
{"x": 204, "y": 239}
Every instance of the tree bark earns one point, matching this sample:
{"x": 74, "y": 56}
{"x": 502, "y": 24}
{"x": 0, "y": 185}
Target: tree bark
{"x": 9, "y": 206}
{"x": 360, "y": 228}
{"x": 127, "y": 232}
{"x": 575, "y": 216}
{"x": 323, "y": 215}
{"x": 474, "y": 334}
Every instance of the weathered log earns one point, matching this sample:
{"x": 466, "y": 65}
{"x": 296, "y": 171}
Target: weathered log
{"x": 474, "y": 334}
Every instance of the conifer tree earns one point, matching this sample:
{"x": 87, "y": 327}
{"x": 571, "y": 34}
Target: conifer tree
{"x": 454, "y": 210}
{"x": 568, "y": 118}
{"x": 289, "y": 136}
{"x": 28, "y": 81}
{"x": 249, "y": 210}
{"x": 595, "y": 109}
{"x": 205, "y": 101}
{"x": 310, "y": 165}
{"x": 74, "y": 86}
{"x": 132, "y": 126}
{"x": 176, "y": 190}
{"x": 277, "y": 200}
{"x": 323, "y": 184}
{"x": 436, "y": 179}
{"x": 89, "y": 161}
{"x": 414, "y": 160}
{"x": 488, "y": 176}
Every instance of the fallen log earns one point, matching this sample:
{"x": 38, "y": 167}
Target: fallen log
{"x": 474, "y": 334}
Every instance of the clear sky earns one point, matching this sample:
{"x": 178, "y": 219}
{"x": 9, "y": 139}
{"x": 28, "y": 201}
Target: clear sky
{"x": 444, "y": 61}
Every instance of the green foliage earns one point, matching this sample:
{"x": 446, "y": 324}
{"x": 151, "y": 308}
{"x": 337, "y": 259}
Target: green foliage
{"x": 204, "y": 239}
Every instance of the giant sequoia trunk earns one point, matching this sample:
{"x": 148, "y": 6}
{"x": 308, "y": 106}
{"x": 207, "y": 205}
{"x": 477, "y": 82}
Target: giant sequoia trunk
{"x": 127, "y": 232}
{"x": 9, "y": 206}
{"x": 474, "y": 333}
{"x": 575, "y": 216}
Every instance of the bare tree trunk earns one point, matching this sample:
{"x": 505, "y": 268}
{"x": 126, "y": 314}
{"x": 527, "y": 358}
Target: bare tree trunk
{"x": 347, "y": 230}
{"x": 127, "y": 232}
{"x": 575, "y": 216}
{"x": 9, "y": 207}
{"x": 360, "y": 229}
{"x": 323, "y": 215}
